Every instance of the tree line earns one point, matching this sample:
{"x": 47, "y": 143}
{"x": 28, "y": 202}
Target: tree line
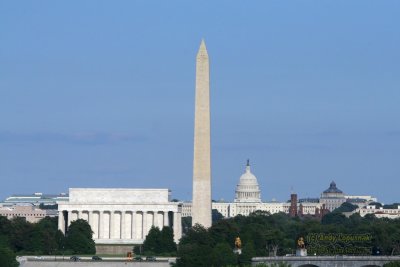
{"x": 263, "y": 234}
{"x": 19, "y": 237}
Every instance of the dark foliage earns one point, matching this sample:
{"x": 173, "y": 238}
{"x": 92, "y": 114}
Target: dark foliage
{"x": 263, "y": 234}
{"x": 186, "y": 224}
{"x": 222, "y": 255}
{"x": 216, "y": 216}
{"x": 7, "y": 257}
{"x": 159, "y": 242}
{"x": 195, "y": 248}
{"x": 79, "y": 238}
{"x": 346, "y": 207}
{"x": 23, "y": 237}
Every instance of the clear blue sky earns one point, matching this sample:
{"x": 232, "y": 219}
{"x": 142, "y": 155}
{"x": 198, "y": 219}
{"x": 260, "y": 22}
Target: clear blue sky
{"x": 101, "y": 94}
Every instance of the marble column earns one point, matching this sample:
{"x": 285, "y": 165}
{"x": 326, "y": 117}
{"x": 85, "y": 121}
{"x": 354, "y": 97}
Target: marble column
{"x": 128, "y": 225}
{"x": 123, "y": 232}
{"x": 177, "y": 226}
{"x": 92, "y": 224}
{"x": 105, "y": 221}
{"x": 61, "y": 221}
{"x": 111, "y": 226}
{"x": 133, "y": 225}
{"x": 144, "y": 225}
{"x": 117, "y": 224}
{"x": 139, "y": 224}
{"x": 69, "y": 217}
{"x": 166, "y": 219}
{"x": 101, "y": 223}
{"x": 158, "y": 219}
{"x": 84, "y": 215}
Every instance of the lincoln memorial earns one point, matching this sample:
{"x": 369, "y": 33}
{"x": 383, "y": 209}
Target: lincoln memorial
{"x": 120, "y": 218}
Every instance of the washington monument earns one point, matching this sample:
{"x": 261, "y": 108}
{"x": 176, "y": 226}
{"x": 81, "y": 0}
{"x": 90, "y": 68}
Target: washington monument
{"x": 201, "y": 207}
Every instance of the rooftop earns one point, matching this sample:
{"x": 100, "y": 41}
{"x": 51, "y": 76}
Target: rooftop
{"x": 333, "y": 189}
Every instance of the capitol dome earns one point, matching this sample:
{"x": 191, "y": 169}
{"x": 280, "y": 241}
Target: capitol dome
{"x": 247, "y": 189}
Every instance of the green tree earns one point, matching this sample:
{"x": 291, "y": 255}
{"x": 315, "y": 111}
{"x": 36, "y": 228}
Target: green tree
{"x": 395, "y": 237}
{"x": 216, "y": 216}
{"x": 248, "y": 252}
{"x": 222, "y": 255}
{"x": 186, "y": 224}
{"x": 158, "y": 242}
{"x": 152, "y": 243}
{"x": 224, "y": 231}
{"x": 345, "y": 207}
{"x": 194, "y": 255}
{"x": 195, "y": 248}
{"x": 79, "y": 238}
{"x": 7, "y": 257}
{"x": 333, "y": 218}
{"x": 46, "y": 238}
{"x": 167, "y": 240}
{"x": 274, "y": 238}
{"x": 261, "y": 232}
{"x": 20, "y": 234}
{"x": 5, "y": 227}
{"x": 199, "y": 235}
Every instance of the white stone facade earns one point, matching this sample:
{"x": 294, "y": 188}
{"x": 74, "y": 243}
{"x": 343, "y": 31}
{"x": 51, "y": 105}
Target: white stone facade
{"x": 332, "y": 197}
{"x": 231, "y": 209}
{"x": 247, "y": 190}
{"x": 120, "y": 216}
{"x": 379, "y": 212}
{"x": 248, "y": 200}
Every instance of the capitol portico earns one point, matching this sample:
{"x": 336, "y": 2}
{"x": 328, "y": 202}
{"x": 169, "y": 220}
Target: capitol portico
{"x": 120, "y": 216}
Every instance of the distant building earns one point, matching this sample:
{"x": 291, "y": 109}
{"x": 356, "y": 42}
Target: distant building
{"x": 293, "y": 206}
{"x": 247, "y": 196}
{"x": 379, "y": 212}
{"x": 332, "y": 197}
{"x": 248, "y": 200}
{"x": 366, "y": 198}
{"x": 360, "y": 201}
{"x": 120, "y": 217}
{"x": 247, "y": 190}
{"x": 30, "y": 213}
{"x": 309, "y": 200}
{"x": 34, "y": 199}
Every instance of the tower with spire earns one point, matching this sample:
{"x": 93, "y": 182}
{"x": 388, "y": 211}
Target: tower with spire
{"x": 201, "y": 209}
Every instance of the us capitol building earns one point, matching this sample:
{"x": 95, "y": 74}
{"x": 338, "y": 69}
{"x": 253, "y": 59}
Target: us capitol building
{"x": 248, "y": 199}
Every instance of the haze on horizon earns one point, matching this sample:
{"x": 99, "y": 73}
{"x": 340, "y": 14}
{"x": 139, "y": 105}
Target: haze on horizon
{"x": 101, "y": 94}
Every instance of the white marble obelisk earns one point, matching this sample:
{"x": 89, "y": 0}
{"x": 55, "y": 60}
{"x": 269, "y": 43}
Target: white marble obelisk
{"x": 201, "y": 207}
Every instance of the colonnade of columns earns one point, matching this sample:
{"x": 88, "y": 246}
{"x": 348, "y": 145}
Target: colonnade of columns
{"x": 244, "y": 195}
{"x": 125, "y": 225}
